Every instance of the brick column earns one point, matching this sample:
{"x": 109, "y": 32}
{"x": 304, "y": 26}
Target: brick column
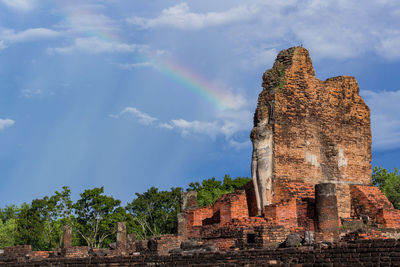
{"x": 67, "y": 237}
{"x": 326, "y": 211}
{"x": 121, "y": 236}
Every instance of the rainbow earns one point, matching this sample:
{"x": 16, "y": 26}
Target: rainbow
{"x": 194, "y": 82}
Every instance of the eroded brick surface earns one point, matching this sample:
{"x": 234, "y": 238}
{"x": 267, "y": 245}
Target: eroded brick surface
{"x": 321, "y": 128}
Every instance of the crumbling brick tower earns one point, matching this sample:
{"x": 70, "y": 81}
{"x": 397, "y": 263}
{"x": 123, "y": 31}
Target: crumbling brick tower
{"x": 309, "y": 130}
{"x": 311, "y": 166}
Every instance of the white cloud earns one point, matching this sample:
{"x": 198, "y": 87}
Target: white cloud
{"x": 28, "y": 93}
{"x": 329, "y": 29}
{"x": 2, "y": 45}
{"x": 142, "y": 117}
{"x": 232, "y": 100}
{"x": 95, "y": 45}
{"x": 4, "y": 123}
{"x": 10, "y": 36}
{"x": 227, "y": 124}
{"x": 22, "y": 5}
{"x": 198, "y": 127}
{"x": 180, "y": 16}
{"x": 165, "y": 126}
{"x": 234, "y": 121}
{"x": 388, "y": 46}
{"x": 84, "y": 18}
{"x": 104, "y": 32}
{"x": 239, "y": 145}
{"x": 385, "y": 118}
{"x": 129, "y": 66}
{"x": 259, "y": 57}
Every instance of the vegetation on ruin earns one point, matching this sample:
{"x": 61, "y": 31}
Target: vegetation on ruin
{"x": 282, "y": 81}
{"x": 93, "y": 217}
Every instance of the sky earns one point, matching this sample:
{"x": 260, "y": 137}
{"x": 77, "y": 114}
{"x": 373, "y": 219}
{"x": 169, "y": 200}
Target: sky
{"x": 133, "y": 94}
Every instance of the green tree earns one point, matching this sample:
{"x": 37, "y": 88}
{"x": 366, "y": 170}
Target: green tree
{"x": 9, "y": 212}
{"x": 97, "y": 216}
{"x": 8, "y": 225}
{"x": 40, "y": 224}
{"x": 211, "y": 189}
{"x": 30, "y": 226}
{"x": 155, "y": 212}
{"x": 388, "y": 183}
{"x": 7, "y": 232}
{"x": 59, "y": 213}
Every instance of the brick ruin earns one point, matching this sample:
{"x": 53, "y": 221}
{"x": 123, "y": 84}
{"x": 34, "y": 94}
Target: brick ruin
{"x": 311, "y": 167}
{"x": 311, "y": 170}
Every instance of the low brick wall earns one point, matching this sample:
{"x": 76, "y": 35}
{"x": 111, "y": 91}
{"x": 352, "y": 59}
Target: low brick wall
{"x": 357, "y": 253}
{"x": 370, "y": 201}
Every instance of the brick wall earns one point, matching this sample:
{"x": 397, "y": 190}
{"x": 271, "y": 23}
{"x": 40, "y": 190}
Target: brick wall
{"x": 165, "y": 243}
{"x": 227, "y": 207}
{"x": 18, "y": 250}
{"x": 41, "y": 254}
{"x": 306, "y": 213}
{"x": 251, "y": 199}
{"x": 287, "y": 189}
{"x": 284, "y": 213}
{"x": 370, "y": 201}
{"x": 197, "y": 216}
{"x": 357, "y": 253}
{"x": 232, "y": 206}
{"x": 343, "y": 200}
{"x": 76, "y": 252}
{"x": 389, "y": 218}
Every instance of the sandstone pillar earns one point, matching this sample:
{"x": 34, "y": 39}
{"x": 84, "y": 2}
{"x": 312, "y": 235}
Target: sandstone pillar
{"x": 326, "y": 211}
{"x": 67, "y": 237}
{"x": 131, "y": 240}
{"x": 121, "y": 236}
{"x": 261, "y": 165}
{"x": 182, "y": 224}
{"x": 188, "y": 202}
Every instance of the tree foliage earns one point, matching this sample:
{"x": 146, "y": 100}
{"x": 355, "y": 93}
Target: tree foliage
{"x": 388, "y": 183}
{"x": 40, "y": 224}
{"x": 211, "y": 189}
{"x": 8, "y": 226}
{"x": 155, "y": 212}
{"x": 7, "y": 232}
{"x": 93, "y": 217}
{"x": 96, "y": 217}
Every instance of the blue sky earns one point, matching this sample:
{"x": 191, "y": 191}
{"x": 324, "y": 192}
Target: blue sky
{"x": 132, "y": 94}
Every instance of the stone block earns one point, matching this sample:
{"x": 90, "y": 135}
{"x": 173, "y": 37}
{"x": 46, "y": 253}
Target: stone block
{"x": 67, "y": 237}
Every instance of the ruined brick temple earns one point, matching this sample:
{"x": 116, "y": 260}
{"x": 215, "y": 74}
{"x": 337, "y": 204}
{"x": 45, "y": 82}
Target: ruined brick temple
{"x": 311, "y": 170}
{"x": 311, "y": 166}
